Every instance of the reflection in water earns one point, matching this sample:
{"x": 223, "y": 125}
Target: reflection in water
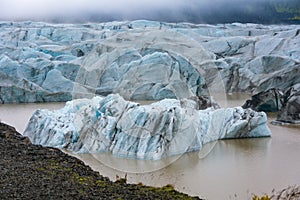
{"x": 206, "y": 149}
{"x": 132, "y": 165}
{"x": 227, "y": 169}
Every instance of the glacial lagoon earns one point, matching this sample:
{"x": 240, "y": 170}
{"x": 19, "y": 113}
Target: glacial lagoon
{"x": 227, "y": 169}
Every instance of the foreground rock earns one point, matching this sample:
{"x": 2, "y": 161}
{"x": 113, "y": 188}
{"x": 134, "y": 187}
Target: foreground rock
{"x": 143, "y": 60}
{"x": 287, "y": 104}
{"x": 29, "y": 171}
{"x": 291, "y": 193}
{"x": 165, "y": 128}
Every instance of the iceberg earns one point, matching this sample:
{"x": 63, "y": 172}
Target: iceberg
{"x": 128, "y": 129}
{"x": 285, "y": 103}
{"x": 290, "y": 113}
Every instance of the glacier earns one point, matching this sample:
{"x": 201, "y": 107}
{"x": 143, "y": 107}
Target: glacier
{"x": 143, "y": 60}
{"x": 154, "y": 131}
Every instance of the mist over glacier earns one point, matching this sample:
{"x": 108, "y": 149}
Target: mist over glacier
{"x": 195, "y": 11}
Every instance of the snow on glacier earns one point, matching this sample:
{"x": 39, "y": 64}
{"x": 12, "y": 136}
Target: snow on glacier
{"x": 128, "y": 129}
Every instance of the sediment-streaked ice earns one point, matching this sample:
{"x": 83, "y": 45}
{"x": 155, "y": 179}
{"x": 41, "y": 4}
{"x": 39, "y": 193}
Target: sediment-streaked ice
{"x": 127, "y": 129}
{"x": 143, "y": 60}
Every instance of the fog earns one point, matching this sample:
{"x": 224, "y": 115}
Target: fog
{"x": 196, "y": 11}
{"x": 130, "y": 9}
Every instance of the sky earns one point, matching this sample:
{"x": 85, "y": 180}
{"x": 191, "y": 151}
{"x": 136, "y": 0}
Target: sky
{"x": 22, "y": 9}
{"x": 196, "y": 11}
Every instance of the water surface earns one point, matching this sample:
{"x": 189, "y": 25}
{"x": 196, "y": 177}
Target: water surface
{"x": 232, "y": 169}
{"x": 227, "y": 169}
{"x": 18, "y": 115}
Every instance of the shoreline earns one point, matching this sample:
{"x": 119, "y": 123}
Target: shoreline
{"x": 31, "y": 171}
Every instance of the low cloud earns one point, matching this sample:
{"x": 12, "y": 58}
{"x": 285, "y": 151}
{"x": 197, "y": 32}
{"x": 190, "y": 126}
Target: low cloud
{"x": 41, "y": 9}
{"x": 196, "y": 11}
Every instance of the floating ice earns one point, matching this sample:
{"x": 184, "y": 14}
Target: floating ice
{"x": 127, "y": 129}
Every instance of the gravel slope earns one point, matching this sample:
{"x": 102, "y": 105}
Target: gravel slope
{"x": 29, "y": 171}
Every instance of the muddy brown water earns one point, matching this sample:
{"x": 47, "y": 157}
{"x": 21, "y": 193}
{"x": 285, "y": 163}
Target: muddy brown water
{"x": 227, "y": 169}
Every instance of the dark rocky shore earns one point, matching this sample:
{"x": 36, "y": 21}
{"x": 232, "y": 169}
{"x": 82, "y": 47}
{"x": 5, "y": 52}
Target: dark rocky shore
{"x": 29, "y": 171}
